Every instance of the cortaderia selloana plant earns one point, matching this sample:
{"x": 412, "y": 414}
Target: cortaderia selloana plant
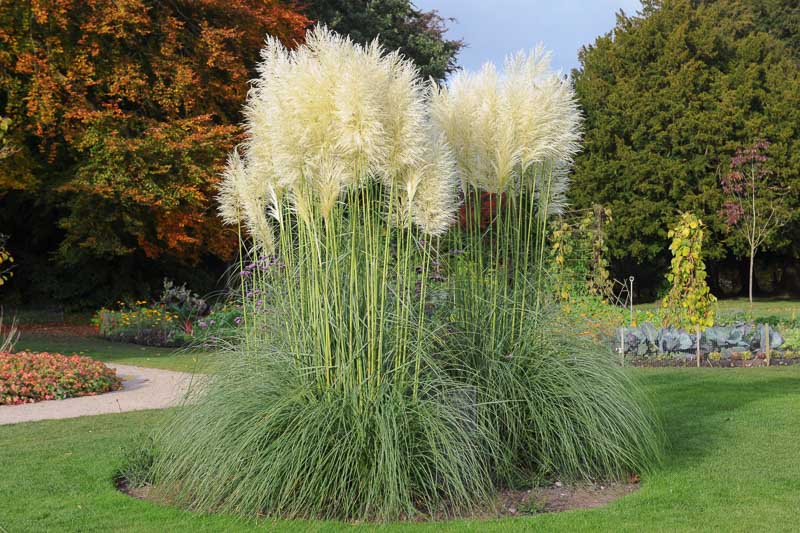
{"x": 560, "y": 406}
{"x": 333, "y": 405}
{"x": 392, "y": 365}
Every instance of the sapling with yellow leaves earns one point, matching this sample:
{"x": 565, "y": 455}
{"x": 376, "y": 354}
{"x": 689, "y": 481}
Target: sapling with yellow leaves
{"x": 689, "y": 303}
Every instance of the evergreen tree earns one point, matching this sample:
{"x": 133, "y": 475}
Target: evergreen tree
{"x": 669, "y": 95}
{"x": 418, "y": 34}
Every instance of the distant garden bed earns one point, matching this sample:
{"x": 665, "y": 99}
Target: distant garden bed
{"x": 179, "y": 318}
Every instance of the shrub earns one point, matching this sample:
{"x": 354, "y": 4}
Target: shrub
{"x": 180, "y": 301}
{"x": 27, "y": 377}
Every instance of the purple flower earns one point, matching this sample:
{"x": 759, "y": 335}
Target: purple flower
{"x": 202, "y": 324}
{"x": 237, "y": 320}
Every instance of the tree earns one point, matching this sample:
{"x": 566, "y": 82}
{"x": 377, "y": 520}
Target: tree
{"x": 6, "y": 262}
{"x": 754, "y": 204}
{"x": 122, "y": 113}
{"x": 689, "y": 301}
{"x": 419, "y": 35}
{"x": 668, "y": 96}
{"x": 6, "y": 148}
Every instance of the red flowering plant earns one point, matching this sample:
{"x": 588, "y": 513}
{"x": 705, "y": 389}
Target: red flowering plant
{"x": 27, "y": 377}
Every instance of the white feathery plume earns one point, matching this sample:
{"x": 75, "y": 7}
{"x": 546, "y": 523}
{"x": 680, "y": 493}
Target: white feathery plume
{"x": 231, "y": 193}
{"x": 431, "y": 192}
{"x": 329, "y": 115}
{"x": 554, "y": 201}
{"x": 406, "y": 117}
{"x": 500, "y": 126}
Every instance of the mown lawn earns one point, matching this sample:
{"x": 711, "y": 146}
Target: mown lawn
{"x": 788, "y": 309}
{"x": 732, "y": 465}
{"x": 117, "y": 352}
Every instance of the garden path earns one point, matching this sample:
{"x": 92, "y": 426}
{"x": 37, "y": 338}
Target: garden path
{"x": 142, "y": 388}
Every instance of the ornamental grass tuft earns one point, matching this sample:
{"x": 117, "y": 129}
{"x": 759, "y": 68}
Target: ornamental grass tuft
{"x": 391, "y": 365}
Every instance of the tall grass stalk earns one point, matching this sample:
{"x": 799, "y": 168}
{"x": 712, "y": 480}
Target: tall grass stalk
{"x": 9, "y": 334}
{"x": 513, "y": 135}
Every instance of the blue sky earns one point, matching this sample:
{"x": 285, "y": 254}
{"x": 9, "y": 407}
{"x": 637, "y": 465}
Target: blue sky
{"x": 494, "y": 28}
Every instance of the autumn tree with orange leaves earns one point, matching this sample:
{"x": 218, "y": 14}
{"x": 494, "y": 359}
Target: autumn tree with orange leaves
{"x": 121, "y": 114}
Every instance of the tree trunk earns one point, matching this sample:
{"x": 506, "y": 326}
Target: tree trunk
{"x": 752, "y": 261}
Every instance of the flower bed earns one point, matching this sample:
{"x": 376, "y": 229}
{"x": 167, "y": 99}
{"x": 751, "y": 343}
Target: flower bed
{"x": 142, "y": 324}
{"x": 155, "y": 325}
{"x": 27, "y": 377}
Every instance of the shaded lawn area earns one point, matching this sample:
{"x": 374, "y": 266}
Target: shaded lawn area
{"x": 117, "y": 352}
{"x": 732, "y": 465}
{"x": 785, "y": 309}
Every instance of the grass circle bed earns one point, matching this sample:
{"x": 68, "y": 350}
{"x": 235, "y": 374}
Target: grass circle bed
{"x": 28, "y": 377}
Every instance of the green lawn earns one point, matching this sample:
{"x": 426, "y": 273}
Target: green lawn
{"x": 117, "y": 352}
{"x": 786, "y": 309}
{"x": 732, "y": 465}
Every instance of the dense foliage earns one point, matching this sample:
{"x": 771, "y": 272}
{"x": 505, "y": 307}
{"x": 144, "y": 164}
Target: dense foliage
{"x": 27, "y": 377}
{"x": 122, "y": 112}
{"x": 419, "y": 35}
{"x": 6, "y": 262}
{"x": 115, "y": 117}
{"x": 669, "y": 95}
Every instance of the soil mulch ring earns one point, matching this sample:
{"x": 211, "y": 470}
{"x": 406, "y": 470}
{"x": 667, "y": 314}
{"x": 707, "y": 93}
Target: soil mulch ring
{"x": 561, "y": 497}
{"x": 555, "y": 498}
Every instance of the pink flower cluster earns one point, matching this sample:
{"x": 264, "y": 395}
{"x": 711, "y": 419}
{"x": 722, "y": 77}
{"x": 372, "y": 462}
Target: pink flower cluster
{"x": 27, "y": 377}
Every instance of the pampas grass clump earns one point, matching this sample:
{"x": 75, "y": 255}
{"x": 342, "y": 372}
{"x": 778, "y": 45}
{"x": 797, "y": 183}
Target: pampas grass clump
{"x": 354, "y": 394}
{"x": 561, "y": 407}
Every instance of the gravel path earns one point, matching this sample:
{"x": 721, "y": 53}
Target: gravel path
{"x": 142, "y": 388}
